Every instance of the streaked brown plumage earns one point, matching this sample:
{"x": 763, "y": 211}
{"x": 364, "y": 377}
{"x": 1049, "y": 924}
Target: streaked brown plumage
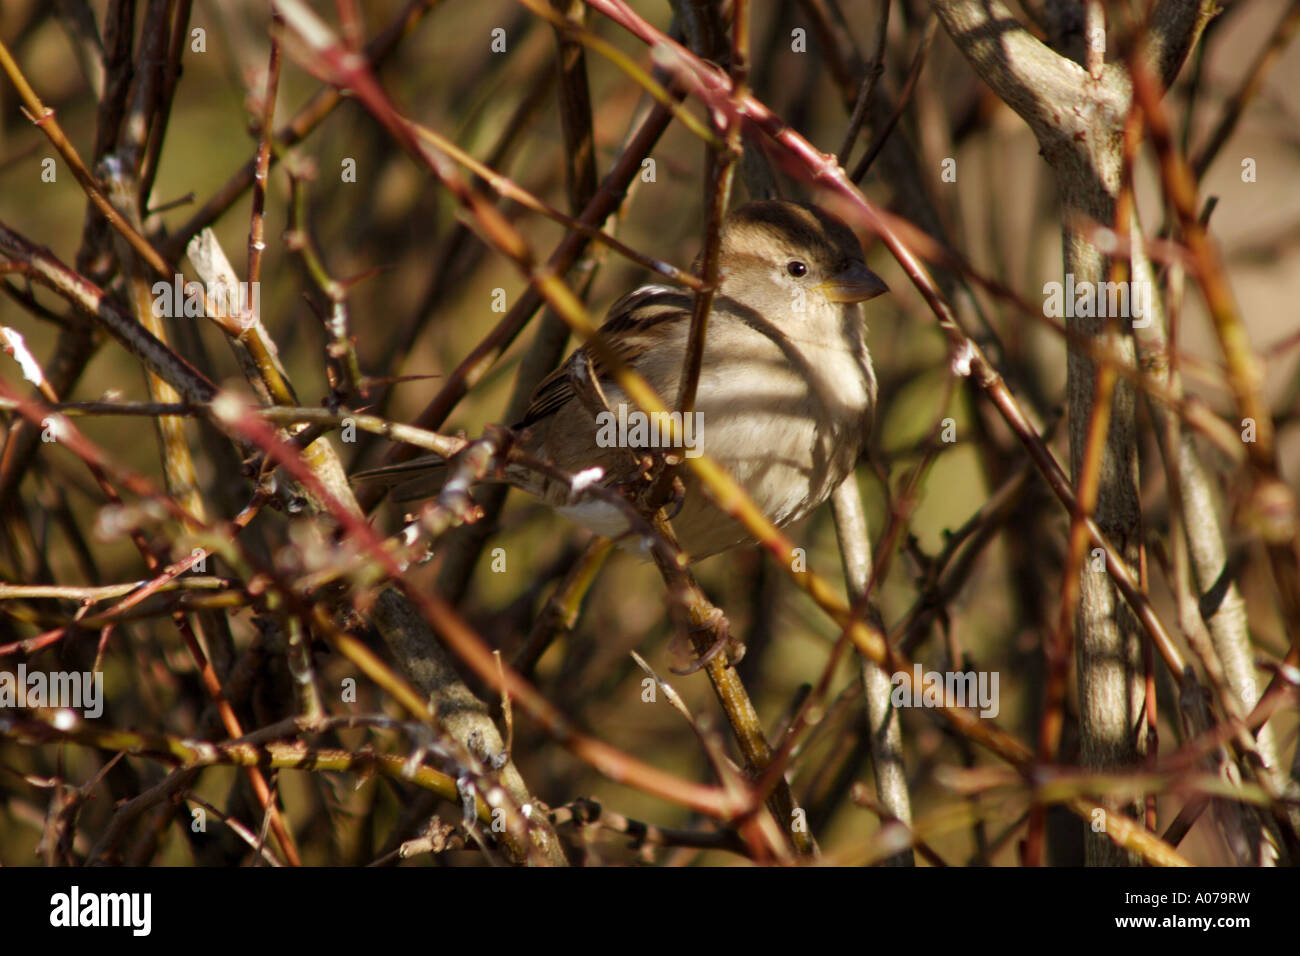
{"x": 786, "y": 391}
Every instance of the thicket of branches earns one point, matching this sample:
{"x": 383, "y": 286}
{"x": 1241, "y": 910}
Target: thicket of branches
{"x": 433, "y": 202}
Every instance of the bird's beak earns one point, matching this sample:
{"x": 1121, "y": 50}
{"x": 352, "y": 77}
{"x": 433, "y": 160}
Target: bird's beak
{"x": 856, "y": 283}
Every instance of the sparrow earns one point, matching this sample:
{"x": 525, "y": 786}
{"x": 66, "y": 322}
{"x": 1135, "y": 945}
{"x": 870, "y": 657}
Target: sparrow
{"x": 786, "y": 389}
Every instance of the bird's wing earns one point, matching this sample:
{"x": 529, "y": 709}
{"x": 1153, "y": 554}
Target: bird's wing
{"x": 626, "y": 333}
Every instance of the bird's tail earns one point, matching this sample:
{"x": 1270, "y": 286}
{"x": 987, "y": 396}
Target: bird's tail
{"x": 408, "y": 480}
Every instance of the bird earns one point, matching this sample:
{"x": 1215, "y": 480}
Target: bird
{"x": 786, "y": 391}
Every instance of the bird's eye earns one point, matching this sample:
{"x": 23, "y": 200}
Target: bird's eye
{"x": 796, "y": 268}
